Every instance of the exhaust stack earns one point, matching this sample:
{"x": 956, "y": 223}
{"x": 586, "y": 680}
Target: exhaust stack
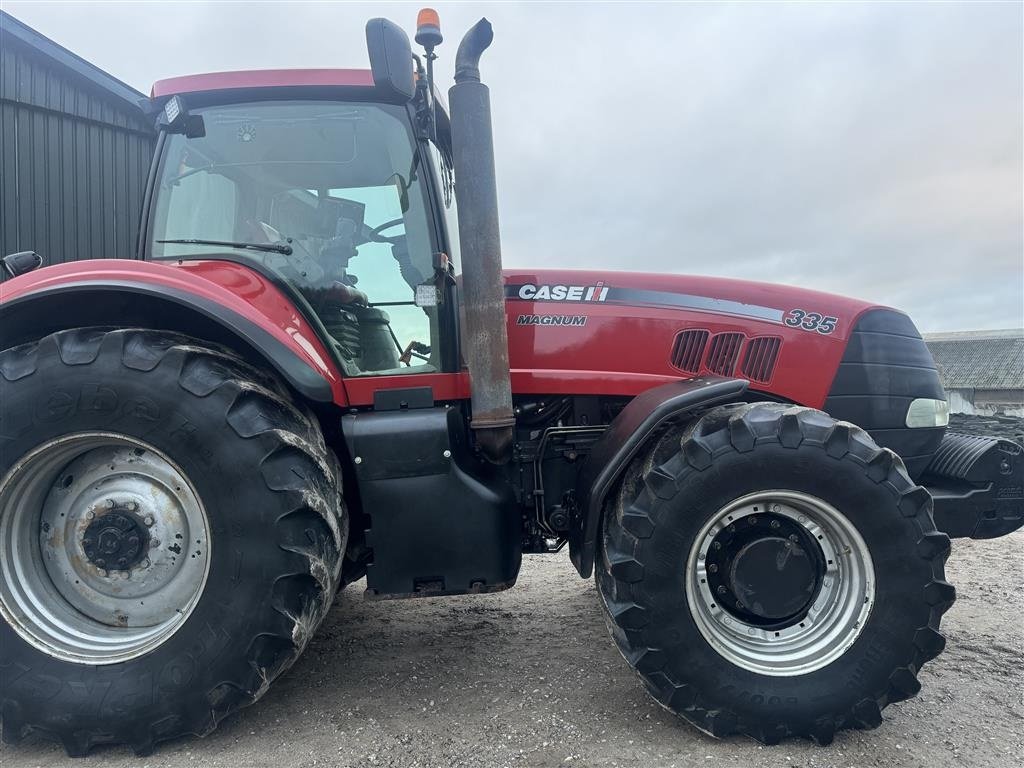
{"x": 485, "y": 337}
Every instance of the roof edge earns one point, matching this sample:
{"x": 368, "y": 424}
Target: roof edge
{"x": 1000, "y": 333}
{"x": 19, "y": 30}
{"x": 261, "y": 78}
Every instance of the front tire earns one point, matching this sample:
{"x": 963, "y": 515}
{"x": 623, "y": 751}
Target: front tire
{"x": 171, "y": 530}
{"x": 770, "y": 571}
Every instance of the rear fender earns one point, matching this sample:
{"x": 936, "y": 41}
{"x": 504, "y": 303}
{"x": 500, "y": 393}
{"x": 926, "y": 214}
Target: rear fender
{"x": 623, "y": 440}
{"x": 221, "y": 301}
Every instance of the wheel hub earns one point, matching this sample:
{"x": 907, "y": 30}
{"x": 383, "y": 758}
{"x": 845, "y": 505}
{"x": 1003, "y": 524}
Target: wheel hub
{"x": 766, "y": 569}
{"x": 117, "y": 539}
{"x": 104, "y": 547}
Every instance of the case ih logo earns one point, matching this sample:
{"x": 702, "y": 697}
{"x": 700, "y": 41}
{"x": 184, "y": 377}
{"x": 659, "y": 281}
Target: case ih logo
{"x": 531, "y": 292}
{"x": 576, "y": 320}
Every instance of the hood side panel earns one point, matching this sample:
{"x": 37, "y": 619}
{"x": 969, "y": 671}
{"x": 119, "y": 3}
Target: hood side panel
{"x": 626, "y": 325}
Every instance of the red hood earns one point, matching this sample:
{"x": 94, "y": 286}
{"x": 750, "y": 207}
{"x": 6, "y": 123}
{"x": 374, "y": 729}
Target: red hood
{"x": 619, "y": 329}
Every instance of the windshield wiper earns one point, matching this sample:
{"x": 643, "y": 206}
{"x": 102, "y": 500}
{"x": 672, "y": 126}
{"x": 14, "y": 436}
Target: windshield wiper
{"x": 270, "y": 247}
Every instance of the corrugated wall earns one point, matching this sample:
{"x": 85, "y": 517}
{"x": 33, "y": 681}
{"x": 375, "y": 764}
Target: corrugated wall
{"x": 73, "y": 162}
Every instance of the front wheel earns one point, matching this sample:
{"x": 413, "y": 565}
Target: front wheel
{"x": 770, "y": 571}
{"x": 171, "y": 530}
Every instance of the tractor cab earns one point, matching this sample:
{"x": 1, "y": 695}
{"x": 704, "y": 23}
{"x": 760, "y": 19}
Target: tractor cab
{"x": 316, "y": 179}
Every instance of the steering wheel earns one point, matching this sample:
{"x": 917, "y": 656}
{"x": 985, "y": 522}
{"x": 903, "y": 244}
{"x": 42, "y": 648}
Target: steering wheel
{"x": 373, "y": 234}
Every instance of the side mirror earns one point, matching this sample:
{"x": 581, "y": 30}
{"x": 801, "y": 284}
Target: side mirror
{"x": 390, "y": 59}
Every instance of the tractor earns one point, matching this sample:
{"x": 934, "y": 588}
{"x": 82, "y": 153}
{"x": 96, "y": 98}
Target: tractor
{"x": 317, "y": 371}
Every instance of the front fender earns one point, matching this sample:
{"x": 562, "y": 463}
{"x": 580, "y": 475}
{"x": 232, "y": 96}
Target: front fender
{"x": 622, "y": 441}
{"x": 215, "y": 300}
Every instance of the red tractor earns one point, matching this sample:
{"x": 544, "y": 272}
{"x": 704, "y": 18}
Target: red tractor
{"x": 302, "y": 382}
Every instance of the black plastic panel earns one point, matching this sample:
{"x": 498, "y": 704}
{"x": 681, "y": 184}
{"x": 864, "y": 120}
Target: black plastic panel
{"x": 887, "y": 321}
{"x": 885, "y": 380}
{"x": 885, "y": 349}
{"x": 885, "y": 367}
{"x": 398, "y": 399}
{"x": 439, "y": 524}
{"x": 977, "y": 484}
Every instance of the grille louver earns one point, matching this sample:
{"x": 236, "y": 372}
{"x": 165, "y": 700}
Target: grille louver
{"x": 760, "y": 357}
{"x": 723, "y": 353}
{"x": 688, "y": 350}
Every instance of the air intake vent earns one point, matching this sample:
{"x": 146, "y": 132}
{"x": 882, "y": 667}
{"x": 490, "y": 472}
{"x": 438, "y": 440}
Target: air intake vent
{"x": 723, "y": 352}
{"x": 759, "y": 359}
{"x": 688, "y": 350}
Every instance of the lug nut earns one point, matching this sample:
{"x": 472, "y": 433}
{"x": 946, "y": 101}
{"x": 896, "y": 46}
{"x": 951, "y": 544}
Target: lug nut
{"x": 148, "y": 520}
{"x": 132, "y": 506}
{"x": 109, "y": 503}
{"x": 774, "y": 523}
{"x": 776, "y": 508}
{"x": 753, "y": 519}
{"x": 713, "y": 568}
{"x": 716, "y": 545}
{"x": 721, "y": 589}
{"x": 793, "y": 538}
{"x": 100, "y": 563}
{"x": 90, "y": 515}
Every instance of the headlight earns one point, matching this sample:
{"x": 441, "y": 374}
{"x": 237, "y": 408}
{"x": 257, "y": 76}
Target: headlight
{"x": 926, "y": 412}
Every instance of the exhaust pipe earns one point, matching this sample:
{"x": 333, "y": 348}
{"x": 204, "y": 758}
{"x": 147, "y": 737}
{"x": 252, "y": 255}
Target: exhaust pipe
{"x": 485, "y": 337}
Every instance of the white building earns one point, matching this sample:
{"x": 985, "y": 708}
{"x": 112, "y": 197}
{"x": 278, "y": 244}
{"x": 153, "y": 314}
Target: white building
{"x": 982, "y": 371}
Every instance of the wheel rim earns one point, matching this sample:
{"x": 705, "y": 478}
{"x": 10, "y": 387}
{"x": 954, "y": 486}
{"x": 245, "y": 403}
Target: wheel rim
{"x": 104, "y": 548}
{"x": 825, "y": 622}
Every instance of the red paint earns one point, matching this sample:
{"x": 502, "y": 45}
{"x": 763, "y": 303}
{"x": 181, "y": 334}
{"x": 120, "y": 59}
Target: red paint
{"x": 446, "y": 386}
{"x": 233, "y": 286}
{"x": 623, "y": 350}
{"x": 266, "y": 78}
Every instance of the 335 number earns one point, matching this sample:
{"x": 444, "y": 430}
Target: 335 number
{"x": 811, "y": 321}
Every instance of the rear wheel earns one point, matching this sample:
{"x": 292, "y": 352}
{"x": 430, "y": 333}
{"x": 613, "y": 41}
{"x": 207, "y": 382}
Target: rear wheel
{"x": 770, "y": 571}
{"x": 170, "y": 536}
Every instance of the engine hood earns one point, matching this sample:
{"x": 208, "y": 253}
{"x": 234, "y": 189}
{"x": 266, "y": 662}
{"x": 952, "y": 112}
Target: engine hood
{"x": 624, "y": 332}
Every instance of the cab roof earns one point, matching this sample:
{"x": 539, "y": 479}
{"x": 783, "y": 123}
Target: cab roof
{"x": 262, "y": 78}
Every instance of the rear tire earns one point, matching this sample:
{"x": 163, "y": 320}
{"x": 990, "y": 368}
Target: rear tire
{"x": 263, "y": 495}
{"x": 875, "y": 608}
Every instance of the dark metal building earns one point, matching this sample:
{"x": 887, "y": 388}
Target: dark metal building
{"x": 75, "y": 148}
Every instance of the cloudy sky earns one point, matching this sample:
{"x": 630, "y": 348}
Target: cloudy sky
{"x": 872, "y": 149}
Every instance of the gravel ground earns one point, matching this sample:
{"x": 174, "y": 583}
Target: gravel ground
{"x": 529, "y": 677}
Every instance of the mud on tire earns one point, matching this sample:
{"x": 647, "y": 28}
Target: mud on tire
{"x": 277, "y": 523}
{"x": 649, "y": 533}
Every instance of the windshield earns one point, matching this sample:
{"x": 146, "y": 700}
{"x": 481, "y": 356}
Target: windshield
{"x": 336, "y": 188}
